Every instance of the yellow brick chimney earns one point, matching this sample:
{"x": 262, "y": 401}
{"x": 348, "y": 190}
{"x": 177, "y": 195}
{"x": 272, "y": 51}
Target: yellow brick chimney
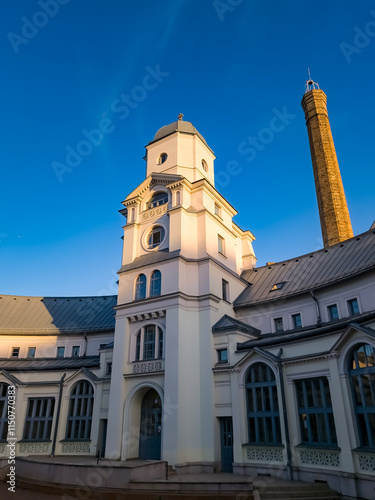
{"x": 333, "y": 209}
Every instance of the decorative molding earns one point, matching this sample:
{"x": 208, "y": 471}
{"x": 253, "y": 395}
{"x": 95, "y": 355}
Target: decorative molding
{"x": 367, "y": 462}
{"x": 31, "y": 448}
{"x": 264, "y": 454}
{"x": 324, "y": 458}
{"x": 148, "y": 366}
{"x": 308, "y": 375}
{"x": 147, "y": 316}
{"x": 152, "y": 213}
{"x": 75, "y": 447}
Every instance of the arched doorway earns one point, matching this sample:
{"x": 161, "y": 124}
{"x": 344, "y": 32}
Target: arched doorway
{"x": 150, "y": 427}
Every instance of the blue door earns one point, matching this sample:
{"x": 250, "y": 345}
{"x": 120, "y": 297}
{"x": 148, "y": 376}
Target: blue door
{"x": 150, "y": 428}
{"x": 226, "y": 433}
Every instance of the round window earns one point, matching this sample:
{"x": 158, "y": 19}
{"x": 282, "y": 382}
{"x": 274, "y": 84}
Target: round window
{"x": 162, "y": 158}
{"x": 155, "y": 236}
{"x": 204, "y": 165}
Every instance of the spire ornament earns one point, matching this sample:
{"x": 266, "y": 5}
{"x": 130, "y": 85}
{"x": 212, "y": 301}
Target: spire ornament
{"x": 310, "y": 84}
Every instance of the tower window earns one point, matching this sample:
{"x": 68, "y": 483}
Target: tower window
{"x": 155, "y": 237}
{"x": 217, "y": 210}
{"x": 333, "y": 312}
{"x": 149, "y": 343}
{"x": 204, "y": 165}
{"x": 140, "y": 287}
{"x": 158, "y": 199}
{"x": 155, "y": 284}
{"x": 162, "y": 158}
{"x": 225, "y": 290}
{"x": 221, "y": 245}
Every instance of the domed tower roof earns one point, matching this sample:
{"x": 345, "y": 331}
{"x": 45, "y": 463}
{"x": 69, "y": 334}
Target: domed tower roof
{"x": 178, "y": 126}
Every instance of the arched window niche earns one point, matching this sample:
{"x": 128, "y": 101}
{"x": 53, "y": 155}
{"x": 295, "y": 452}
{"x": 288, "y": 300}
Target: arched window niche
{"x": 155, "y": 284}
{"x": 159, "y": 198}
{"x": 80, "y": 412}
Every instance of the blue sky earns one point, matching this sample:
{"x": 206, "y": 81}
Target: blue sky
{"x": 228, "y": 66}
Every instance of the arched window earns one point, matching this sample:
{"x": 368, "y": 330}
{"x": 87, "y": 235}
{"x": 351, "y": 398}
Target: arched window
{"x": 80, "y": 411}
{"x": 140, "y": 287}
{"x": 262, "y": 406}
{"x": 162, "y": 158}
{"x": 3, "y": 411}
{"x": 158, "y": 199}
{"x": 362, "y": 377}
{"x": 178, "y": 198}
{"x": 155, "y": 237}
{"x": 149, "y": 343}
{"x": 155, "y": 284}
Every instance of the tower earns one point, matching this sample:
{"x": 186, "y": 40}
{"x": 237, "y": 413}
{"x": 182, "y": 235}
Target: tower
{"x": 333, "y": 210}
{"x": 181, "y": 267}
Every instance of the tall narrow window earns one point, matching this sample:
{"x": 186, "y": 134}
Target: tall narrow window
{"x": 221, "y": 245}
{"x": 333, "y": 312}
{"x": 31, "y": 352}
{"x": 140, "y": 287}
{"x": 353, "y": 307}
{"x": 362, "y": 376}
{"x": 132, "y": 215}
{"x": 217, "y": 210}
{"x": 39, "y": 419}
{"x": 3, "y": 411}
{"x": 80, "y": 411}
{"x": 60, "y": 351}
{"x": 75, "y": 351}
{"x": 178, "y": 198}
{"x": 225, "y": 290}
{"x": 149, "y": 343}
{"x": 317, "y": 425}
{"x": 262, "y": 406}
{"x": 155, "y": 283}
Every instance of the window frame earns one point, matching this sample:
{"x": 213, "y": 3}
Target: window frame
{"x": 365, "y": 376}
{"x": 159, "y": 198}
{"x": 80, "y": 400}
{"x": 75, "y": 351}
{"x": 140, "y": 287}
{"x": 155, "y": 283}
{"x": 157, "y": 229}
{"x": 295, "y": 325}
{"x": 220, "y": 359}
{"x": 351, "y": 308}
{"x": 17, "y": 350}
{"x": 30, "y": 350}
{"x": 225, "y": 290}
{"x": 316, "y": 415}
{"x": 331, "y": 315}
{"x": 276, "y": 322}
{"x": 149, "y": 346}
{"x": 264, "y": 394}
{"x": 59, "y": 347}
{"x": 221, "y": 245}
{"x": 35, "y": 418}
{"x": 162, "y": 158}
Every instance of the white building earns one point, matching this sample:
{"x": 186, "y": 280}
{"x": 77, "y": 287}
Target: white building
{"x": 217, "y": 364}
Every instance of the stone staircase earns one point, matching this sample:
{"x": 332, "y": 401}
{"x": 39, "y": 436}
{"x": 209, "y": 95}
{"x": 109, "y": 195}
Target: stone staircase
{"x": 300, "y": 491}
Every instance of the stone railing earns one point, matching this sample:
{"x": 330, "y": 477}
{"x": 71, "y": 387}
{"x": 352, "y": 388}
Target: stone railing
{"x": 75, "y": 447}
{"x": 152, "y": 213}
{"x": 156, "y": 365}
{"x": 34, "y": 448}
{"x": 319, "y": 457}
{"x": 264, "y": 453}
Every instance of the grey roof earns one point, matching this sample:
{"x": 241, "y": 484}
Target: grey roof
{"x": 56, "y": 314}
{"x": 150, "y": 258}
{"x": 50, "y": 364}
{"x": 227, "y": 323}
{"x": 178, "y": 126}
{"x": 311, "y": 271}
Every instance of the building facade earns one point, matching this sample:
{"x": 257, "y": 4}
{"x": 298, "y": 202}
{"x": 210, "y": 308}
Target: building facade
{"x": 210, "y": 362}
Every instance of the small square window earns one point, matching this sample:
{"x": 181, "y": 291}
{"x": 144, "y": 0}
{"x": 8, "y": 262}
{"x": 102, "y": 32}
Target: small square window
{"x": 279, "y": 327}
{"x": 222, "y": 355}
{"x": 217, "y": 210}
{"x": 15, "y": 352}
{"x": 75, "y": 351}
{"x": 333, "y": 312}
{"x": 297, "y": 321}
{"x": 31, "y": 352}
{"x": 221, "y": 245}
{"x": 353, "y": 307}
{"x": 60, "y": 351}
{"x": 225, "y": 290}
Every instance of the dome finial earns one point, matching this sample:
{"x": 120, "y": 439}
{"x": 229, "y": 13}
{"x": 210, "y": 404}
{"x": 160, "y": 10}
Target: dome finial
{"x": 180, "y": 116}
{"x": 310, "y": 84}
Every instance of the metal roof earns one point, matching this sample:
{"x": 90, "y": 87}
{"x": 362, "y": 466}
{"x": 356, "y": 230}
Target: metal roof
{"x": 56, "y": 314}
{"x": 309, "y": 272}
{"x": 49, "y": 363}
{"x": 150, "y": 258}
{"x": 178, "y": 126}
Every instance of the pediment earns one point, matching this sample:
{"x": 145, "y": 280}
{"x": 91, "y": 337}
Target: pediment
{"x": 155, "y": 178}
{"x": 348, "y": 333}
{"x": 227, "y": 324}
